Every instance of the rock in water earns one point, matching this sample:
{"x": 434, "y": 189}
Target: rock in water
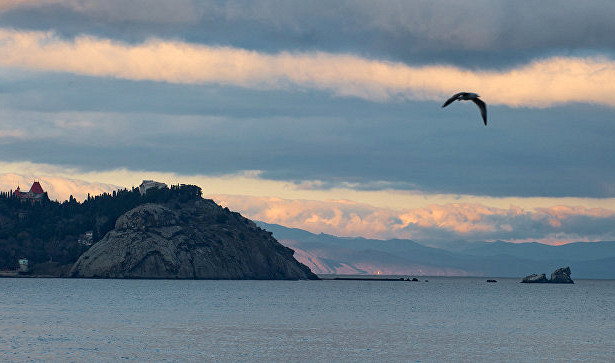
{"x": 561, "y": 276}
{"x": 534, "y": 278}
{"x": 192, "y": 240}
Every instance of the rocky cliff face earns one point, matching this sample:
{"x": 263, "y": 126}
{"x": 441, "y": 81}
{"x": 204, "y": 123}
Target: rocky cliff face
{"x": 191, "y": 240}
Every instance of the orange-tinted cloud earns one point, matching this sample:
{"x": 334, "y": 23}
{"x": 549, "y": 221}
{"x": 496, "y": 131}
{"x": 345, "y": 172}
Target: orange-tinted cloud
{"x": 11, "y": 134}
{"x": 558, "y": 224}
{"x": 12, "y": 4}
{"x": 538, "y": 84}
{"x": 473, "y": 221}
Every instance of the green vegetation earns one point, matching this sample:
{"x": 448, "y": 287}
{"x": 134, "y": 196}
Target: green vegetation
{"x": 48, "y": 233}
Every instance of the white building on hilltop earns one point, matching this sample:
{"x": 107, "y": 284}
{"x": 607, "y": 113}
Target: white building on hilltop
{"x": 23, "y": 265}
{"x": 147, "y": 184}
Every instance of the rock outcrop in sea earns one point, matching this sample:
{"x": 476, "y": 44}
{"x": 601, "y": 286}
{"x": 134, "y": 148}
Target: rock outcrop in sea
{"x": 196, "y": 239}
{"x": 559, "y": 276}
{"x": 534, "y": 278}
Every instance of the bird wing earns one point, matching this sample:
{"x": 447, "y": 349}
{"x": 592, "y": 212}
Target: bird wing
{"x": 483, "y": 108}
{"x": 452, "y": 99}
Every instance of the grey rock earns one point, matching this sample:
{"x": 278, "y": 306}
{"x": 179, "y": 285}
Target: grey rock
{"x": 534, "y": 278}
{"x": 561, "y": 276}
{"x": 195, "y": 240}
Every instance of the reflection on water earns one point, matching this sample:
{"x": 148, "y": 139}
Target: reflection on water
{"x": 443, "y": 319}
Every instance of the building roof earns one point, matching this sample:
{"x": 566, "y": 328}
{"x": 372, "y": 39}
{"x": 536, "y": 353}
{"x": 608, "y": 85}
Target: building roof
{"x": 36, "y": 188}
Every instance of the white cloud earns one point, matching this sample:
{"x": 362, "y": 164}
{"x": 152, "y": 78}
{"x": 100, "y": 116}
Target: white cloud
{"x": 538, "y": 84}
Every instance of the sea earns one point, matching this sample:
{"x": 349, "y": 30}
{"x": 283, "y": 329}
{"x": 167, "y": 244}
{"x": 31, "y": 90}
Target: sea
{"x": 432, "y": 320}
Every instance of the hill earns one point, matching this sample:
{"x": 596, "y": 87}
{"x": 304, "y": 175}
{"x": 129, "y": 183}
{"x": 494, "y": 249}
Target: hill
{"x": 196, "y": 239}
{"x": 53, "y": 235}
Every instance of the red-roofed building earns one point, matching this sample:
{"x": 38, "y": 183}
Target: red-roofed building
{"x": 37, "y": 188}
{"x": 35, "y": 195}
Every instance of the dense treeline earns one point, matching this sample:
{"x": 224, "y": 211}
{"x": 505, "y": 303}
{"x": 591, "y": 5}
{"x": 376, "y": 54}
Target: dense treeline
{"x": 49, "y": 231}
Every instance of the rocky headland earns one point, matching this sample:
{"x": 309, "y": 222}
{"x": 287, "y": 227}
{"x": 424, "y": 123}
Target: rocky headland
{"x": 559, "y": 276}
{"x": 194, "y": 239}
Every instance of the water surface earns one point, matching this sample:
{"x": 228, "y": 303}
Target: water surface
{"x": 443, "y": 319}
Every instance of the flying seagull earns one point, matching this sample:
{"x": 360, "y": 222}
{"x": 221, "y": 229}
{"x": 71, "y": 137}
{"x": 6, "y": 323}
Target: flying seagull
{"x": 465, "y": 96}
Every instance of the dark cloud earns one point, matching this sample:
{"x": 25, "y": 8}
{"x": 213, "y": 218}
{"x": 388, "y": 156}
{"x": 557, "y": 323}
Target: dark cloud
{"x": 309, "y": 138}
{"x": 484, "y": 33}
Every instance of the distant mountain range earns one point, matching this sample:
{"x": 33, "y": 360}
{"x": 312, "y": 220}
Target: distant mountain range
{"x": 327, "y": 254}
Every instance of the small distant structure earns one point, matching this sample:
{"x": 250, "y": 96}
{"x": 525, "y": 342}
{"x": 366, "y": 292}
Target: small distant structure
{"x": 23, "y": 265}
{"x": 36, "y": 194}
{"x": 148, "y": 184}
{"x": 86, "y": 239}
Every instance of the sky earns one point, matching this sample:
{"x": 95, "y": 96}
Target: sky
{"x": 324, "y": 115}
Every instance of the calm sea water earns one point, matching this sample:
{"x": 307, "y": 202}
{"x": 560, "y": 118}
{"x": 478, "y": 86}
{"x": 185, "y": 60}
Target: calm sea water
{"x": 460, "y": 319}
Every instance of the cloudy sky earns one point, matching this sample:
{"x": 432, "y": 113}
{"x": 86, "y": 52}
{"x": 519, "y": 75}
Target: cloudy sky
{"x": 324, "y": 115}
